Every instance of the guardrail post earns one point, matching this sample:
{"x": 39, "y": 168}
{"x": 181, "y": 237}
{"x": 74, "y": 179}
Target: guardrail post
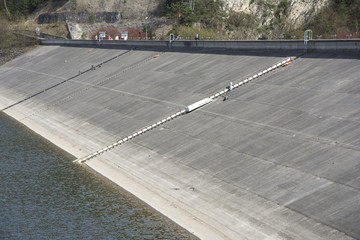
{"x": 171, "y": 38}
{"x": 307, "y": 37}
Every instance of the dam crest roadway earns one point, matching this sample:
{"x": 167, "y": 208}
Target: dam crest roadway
{"x": 270, "y": 150}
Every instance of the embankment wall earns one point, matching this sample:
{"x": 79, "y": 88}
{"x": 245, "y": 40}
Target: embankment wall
{"x": 278, "y": 159}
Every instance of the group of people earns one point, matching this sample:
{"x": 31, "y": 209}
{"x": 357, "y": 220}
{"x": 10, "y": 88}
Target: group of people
{"x": 178, "y": 37}
{"x": 117, "y": 37}
{"x": 110, "y": 38}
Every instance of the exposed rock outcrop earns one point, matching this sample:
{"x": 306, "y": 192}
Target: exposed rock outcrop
{"x": 273, "y": 17}
{"x": 297, "y": 13}
{"x": 77, "y": 22}
{"x": 79, "y": 17}
{"x": 126, "y": 9}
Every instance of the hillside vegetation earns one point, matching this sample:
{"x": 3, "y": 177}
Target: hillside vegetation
{"x": 214, "y": 19}
{"x": 18, "y": 8}
{"x": 12, "y": 45}
{"x": 270, "y": 19}
{"x": 338, "y": 17}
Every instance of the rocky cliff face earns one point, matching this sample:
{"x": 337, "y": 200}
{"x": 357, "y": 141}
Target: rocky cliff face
{"x": 127, "y": 9}
{"x": 273, "y": 17}
{"x": 298, "y": 11}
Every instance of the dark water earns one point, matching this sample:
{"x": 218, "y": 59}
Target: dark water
{"x": 43, "y": 195}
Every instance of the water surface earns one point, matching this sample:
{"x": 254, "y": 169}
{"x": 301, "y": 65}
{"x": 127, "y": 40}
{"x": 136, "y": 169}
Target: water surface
{"x": 43, "y": 195}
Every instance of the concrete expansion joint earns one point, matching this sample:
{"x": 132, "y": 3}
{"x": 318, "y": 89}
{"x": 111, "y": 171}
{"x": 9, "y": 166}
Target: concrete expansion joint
{"x": 128, "y": 138}
{"x": 133, "y": 66}
{"x": 188, "y": 109}
{"x": 64, "y": 81}
{"x": 232, "y": 86}
{"x": 98, "y": 83}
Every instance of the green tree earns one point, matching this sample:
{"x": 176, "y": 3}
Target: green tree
{"x": 208, "y": 12}
{"x": 149, "y": 30}
{"x": 92, "y": 19}
{"x": 338, "y": 15}
{"x": 23, "y": 7}
{"x": 180, "y": 11}
{"x": 240, "y": 20}
{"x": 282, "y": 9}
{"x": 6, "y": 8}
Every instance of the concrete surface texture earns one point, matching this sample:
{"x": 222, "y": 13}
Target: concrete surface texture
{"x": 279, "y": 159}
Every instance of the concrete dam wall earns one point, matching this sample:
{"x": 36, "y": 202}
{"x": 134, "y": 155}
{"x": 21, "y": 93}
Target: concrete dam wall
{"x": 274, "y": 153}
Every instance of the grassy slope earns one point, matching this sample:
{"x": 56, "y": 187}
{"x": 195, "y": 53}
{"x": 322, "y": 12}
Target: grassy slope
{"x": 12, "y": 45}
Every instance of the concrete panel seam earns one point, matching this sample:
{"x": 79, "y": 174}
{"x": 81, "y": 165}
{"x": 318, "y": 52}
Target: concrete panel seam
{"x": 188, "y": 109}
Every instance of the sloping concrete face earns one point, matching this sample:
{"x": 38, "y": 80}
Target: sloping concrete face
{"x": 279, "y": 159}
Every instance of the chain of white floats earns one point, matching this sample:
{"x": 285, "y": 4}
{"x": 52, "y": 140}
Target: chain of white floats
{"x": 188, "y": 109}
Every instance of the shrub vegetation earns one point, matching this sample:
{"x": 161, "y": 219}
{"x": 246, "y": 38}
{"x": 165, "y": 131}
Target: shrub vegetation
{"x": 8, "y": 38}
{"x": 338, "y": 19}
{"x": 209, "y": 13}
{"x": 17, "y": 8}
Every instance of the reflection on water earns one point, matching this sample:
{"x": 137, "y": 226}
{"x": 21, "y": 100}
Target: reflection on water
{"x": 43, "y": 195}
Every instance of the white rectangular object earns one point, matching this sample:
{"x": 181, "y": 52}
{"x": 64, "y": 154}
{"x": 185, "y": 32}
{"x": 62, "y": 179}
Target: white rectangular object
{"x": 198, "y": 104}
